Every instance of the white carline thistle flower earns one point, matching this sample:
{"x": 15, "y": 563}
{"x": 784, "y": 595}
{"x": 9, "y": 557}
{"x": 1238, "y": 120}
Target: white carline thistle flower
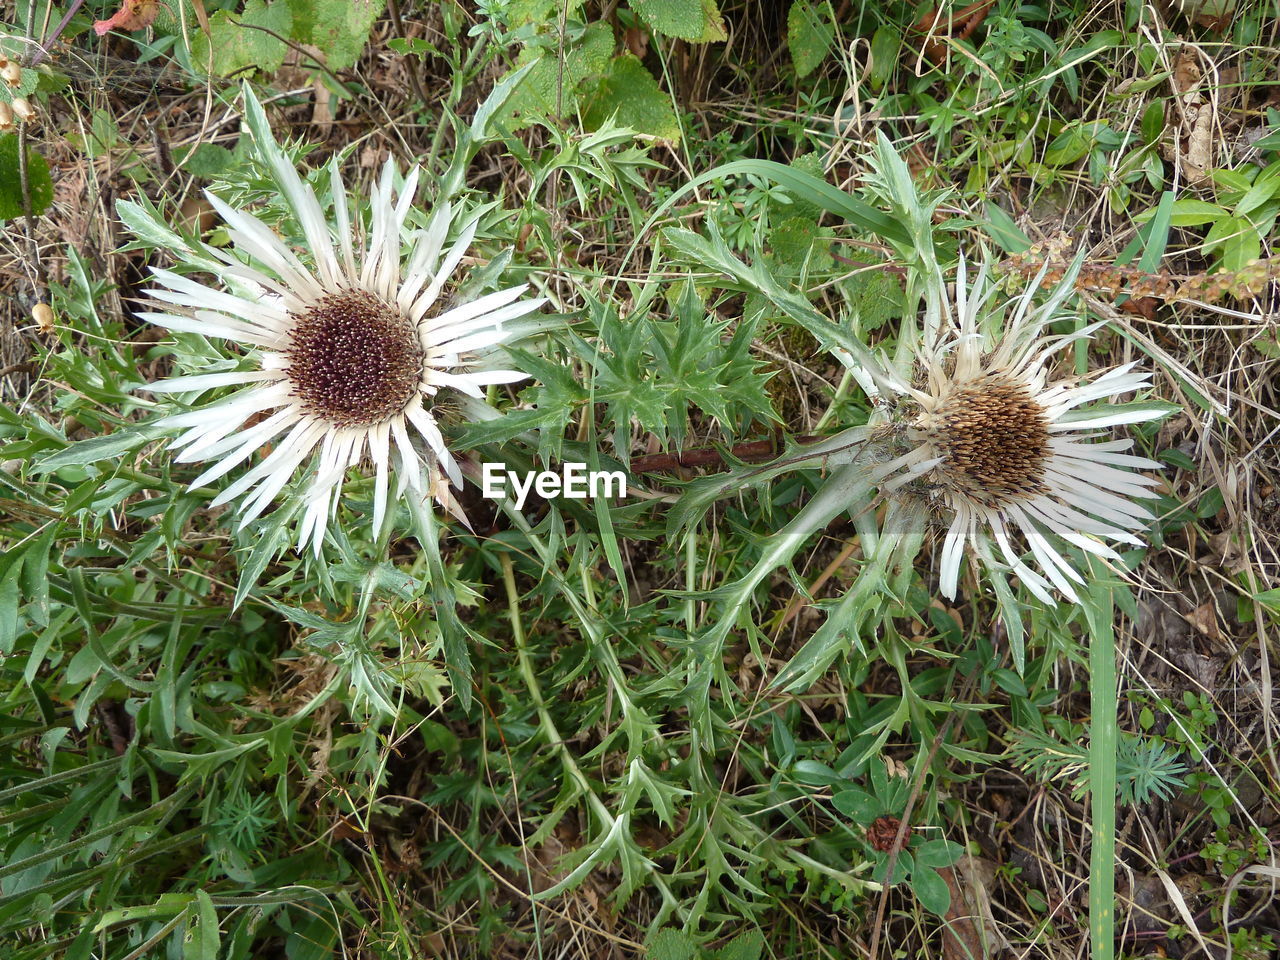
{"x": 347, "y": 354}
{"x": 999, "y": 442}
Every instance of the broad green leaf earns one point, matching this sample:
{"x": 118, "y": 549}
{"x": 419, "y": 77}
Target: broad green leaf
{"x": 1004, "y": 231}
{"x": 234, "y": 43}
{"x": 858, "y": 805}
{"x": 938, "y": 853}
{"x": 809, "y": 36}
{"x": 206, "y": 160}
{"x": 1266, "y": 186}
{"x": 696, "y": 20}
{"x": 1188, "y": 212}
{"x": 201, "y": 939}
{"x": 1068, "y": 147}
{"x": 519, "y": 12}
{"x": 100, "y": 448}
{"x": 338, "y": 28}
{"x": 1153, "y": 121}
{"x": 792, "y": 242}
{"x": 631, "y": 94}
{"x": 9, "y": 598}
{"x": 547, "y": 85}
{"x": 1236, "y": 240}
{"x": 745, "y": 946}
{"x": 497, "y": 99}
{"x": 38, "y": 181}
{"x": 885, "y": 44}
{"x": 671, "y": 944}
{"x": 168, "y": 905}
{"x": 931, "y": 890}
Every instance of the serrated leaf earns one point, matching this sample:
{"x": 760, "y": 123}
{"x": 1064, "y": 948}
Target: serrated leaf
{"x": 207, "y": 160}
{"x": 698, "y": 21}
{"x": 671, "y": 944}
{"x": 745, "y": 946}
{"x": 234, "y": 44}
{"x": 38, "y": 180}
{"x": 792, "y": 241}
{"x": 629, "y": 92}
{"x": 100, "y": 448}
{"x": 547, "y": 85}
{"x": 338, "y": 28}
{"x": 809, "y": 36}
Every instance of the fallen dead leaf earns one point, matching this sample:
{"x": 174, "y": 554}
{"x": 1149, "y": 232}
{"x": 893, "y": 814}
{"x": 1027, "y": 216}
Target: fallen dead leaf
{"x": 1205, "y": 619}
{"x": 971, "y": 929}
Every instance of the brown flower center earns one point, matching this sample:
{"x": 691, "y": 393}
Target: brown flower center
{"x": 354, "y": 360}
{"x": 994, "y": 439}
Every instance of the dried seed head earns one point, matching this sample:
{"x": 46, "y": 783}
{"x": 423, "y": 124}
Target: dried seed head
{"x": 994, "y": 440}
{"x": 884, "y": 831}
{"x": 354, "y": 360}
{"x": 23, "y": 109}
{"x": 6, "y": 116}
{"x": 11, "y": 73}
{"x": 42, "y": 314}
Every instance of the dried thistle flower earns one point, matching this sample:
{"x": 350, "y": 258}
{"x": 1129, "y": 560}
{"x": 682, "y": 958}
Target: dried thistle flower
{"x": 983, "y": 427}
{"x": 346, "y": 354}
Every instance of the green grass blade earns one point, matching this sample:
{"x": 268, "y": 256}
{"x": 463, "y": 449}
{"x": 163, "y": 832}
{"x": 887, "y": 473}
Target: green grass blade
{"x": 1103, "y": 737}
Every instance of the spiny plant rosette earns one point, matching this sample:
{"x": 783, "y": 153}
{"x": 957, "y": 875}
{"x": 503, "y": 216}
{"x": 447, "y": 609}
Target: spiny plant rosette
{"x": 347, "y": 354}
{"x": 982, "y": 427}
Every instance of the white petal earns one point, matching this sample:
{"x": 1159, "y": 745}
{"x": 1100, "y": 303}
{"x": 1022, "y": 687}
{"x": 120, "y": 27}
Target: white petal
{"x": 953, "y": 553}
{"x": 442, "y": 335}
{"x": 244, "y": 443}
{"x": 342, "y": 218}
{"x": 1088, "y": 422}
{"x": 306, "y": 210}
{"x": 186, "y": 292}
{"x": 240, "y": 405}
{"x": 426, "y": 251}
{"x": 459, "y": 382}
{"x": 1034, "y": 582}
{"x": 1126, "y": 513}
{"x": 208, "y": 324}
{"x": 410, "y": 472}
{"x": 379, "y": 438}
{"x": 1101, "y": 453}
{"x": 469, "y": 311}
{"x": 300, "y": 441}
{"x": 256, "y": 239}
{"x": 1068, "y": 517}
{"x": 426, "y": 425}
{"x": 483, "y": 378}
{"x": 450, "y": 263}
{"x": 206, "y": 381}
{"x": 471, "y": 343}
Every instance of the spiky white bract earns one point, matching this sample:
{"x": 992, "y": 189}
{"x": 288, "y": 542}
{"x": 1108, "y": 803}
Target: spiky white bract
{"x": 981, "y": 423}
{"x": 347, "y": 346}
